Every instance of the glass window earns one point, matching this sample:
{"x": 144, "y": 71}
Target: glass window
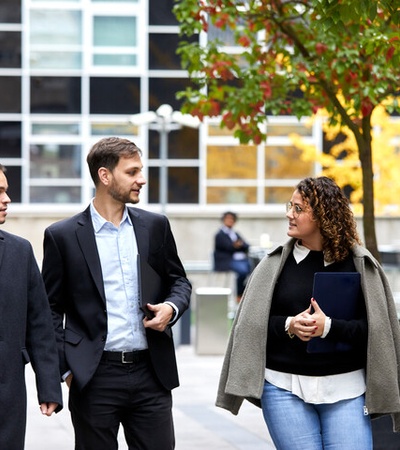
{"x": 183, "y": 185}
{"x": 108, "y": 59}
{"x": 10, "y": 49}
{"x": 56, "y": 95}
{"x": 114, "y": 31}
{"x": 226, "y": 35}
{"x": 239, "y": 161}
{"x": 115, "y": 1}
{"x": 285, "y": 129}
{"x": 14, "y": 178}
{"x": 278, "y": 194}
{"x": 10, "y": 94}
{"x": 56, "y": 39}
{"x": 114, "y": 95}
{"x": 231, "y": 194}
{"x": 50, "y": 129}
{"x": 160, "y": 12}
{"x": 162, "y": 52}
{"x": 10, "y": 11}
{"x": 55, "y": 27}
{"x": 153, "y": 184}
{"x": 55, "y": 161}
{"x": 56, "y": 60}
{"x": 214, "y": 129}
{"x": 163, "y": 90}
{"x": 114, "y": 129}
{"x": 283, "y": 162}
{"x": 55, "y": 194}
{"x": 182, "y": 144}
{"x": 10, "y": 140}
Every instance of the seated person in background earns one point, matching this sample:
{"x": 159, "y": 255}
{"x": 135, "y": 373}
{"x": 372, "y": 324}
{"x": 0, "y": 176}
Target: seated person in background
{"x": 230, "y": 252}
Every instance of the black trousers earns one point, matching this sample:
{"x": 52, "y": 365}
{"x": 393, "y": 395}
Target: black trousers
{"x": 126, "y": 394}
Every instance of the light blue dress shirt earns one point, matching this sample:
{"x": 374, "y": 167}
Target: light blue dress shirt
{"x": 118, "y": 257}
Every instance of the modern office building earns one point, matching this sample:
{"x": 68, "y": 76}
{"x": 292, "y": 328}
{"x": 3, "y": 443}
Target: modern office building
{"x": 73, "y": 71}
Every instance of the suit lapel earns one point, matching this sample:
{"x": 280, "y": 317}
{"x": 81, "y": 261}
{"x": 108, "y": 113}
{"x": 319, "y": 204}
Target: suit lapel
{"x": 2, "y": 246}
{"x": 87, "y": 243}
{"x": 141, "y": 233}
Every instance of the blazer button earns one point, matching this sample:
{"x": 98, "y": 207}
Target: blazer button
{"x": 103, "y": 338}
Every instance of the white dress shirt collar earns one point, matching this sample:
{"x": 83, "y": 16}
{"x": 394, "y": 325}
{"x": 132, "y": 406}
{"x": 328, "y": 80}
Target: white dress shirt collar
{"x": 300, "y": 252}
{"x": 99, "y": 221}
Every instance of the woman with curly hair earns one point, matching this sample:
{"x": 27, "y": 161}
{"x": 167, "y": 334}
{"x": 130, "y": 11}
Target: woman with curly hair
{"x": 324, "y": 399}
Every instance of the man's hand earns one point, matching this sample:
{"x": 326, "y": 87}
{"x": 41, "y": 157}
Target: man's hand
{"x": 162, "y": 316}
{"x": 238, "y": 243}
{"x": 68, "y": 380}
{"x": 48, "y": 408}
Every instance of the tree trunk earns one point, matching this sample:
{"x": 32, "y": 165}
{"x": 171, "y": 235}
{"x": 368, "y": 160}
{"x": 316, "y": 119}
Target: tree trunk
{"x": 365, "y": 154}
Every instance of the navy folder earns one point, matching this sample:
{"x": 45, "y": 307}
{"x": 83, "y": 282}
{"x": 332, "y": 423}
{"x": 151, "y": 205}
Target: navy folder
{"x": 149, "y": 286}
{"x": 337, "y": 295}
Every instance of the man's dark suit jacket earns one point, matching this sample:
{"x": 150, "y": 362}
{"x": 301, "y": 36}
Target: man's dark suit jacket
{"x": 73, "y": 278}
{"x": 26, "y": 335}
{"x": 224, "y": 250}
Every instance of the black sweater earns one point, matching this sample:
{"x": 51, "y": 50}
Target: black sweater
{"x": 291, "y": 296}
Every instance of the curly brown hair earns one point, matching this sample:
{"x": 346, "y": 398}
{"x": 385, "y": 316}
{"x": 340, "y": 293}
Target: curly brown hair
{"x": 331, "y": 209}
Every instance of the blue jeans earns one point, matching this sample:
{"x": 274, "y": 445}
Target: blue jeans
{"x": 242, "y": 269}
{"x": 296, "y": 425}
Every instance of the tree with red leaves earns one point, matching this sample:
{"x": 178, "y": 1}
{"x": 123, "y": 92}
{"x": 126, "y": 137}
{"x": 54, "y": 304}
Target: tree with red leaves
{"x": 297, "y": 56}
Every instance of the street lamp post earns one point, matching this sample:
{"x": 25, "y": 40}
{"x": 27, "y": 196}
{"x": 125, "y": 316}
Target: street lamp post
{"x": 164, "y": 120}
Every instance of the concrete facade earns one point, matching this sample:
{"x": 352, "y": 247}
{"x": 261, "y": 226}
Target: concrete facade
{"x": 194, "y": 231}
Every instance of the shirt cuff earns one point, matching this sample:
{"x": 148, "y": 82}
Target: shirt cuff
{"x": 327, "y": 327}
{"x": 174, "y": 314}
{"x": 66, "y": 374}
{"x": 287, "y": 323}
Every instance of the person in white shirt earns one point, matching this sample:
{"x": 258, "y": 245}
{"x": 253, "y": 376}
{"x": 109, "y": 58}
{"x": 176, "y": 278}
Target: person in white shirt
{"x": 326, "y": 399}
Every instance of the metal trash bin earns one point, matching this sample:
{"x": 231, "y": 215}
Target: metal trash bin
{"x": 212, "y": 324}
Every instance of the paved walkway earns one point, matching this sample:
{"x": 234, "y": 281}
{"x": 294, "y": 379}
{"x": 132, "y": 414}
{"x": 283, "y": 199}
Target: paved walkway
{"x": 199, "y": 425}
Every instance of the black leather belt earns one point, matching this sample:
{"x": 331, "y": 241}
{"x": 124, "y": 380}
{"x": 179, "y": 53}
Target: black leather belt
{"x": 126, "y": 357}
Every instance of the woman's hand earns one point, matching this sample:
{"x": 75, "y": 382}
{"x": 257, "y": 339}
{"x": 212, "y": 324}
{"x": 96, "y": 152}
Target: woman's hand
{"x": 319, "y": 317}
{"x": 304, "y": 325}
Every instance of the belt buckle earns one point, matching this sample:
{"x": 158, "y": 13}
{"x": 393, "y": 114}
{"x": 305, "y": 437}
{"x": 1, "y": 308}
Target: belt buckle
{"x": 123, "y": 360}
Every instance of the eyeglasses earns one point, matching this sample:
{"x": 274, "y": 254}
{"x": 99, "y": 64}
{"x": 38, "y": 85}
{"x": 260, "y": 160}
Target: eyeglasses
{"x": 297, "y": 210}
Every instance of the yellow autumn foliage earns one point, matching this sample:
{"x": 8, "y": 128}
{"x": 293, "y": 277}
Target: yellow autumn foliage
{"x": 343, "y": 165}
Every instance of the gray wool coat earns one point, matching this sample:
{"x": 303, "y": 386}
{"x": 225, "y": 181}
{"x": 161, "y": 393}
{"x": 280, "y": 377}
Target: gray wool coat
{"x": 242, "y": 375}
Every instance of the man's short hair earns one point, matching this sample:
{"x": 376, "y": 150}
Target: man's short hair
{"x": 107, "y": 153}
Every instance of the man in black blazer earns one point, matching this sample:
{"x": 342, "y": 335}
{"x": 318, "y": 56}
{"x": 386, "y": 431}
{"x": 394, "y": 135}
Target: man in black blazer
{"x": 26, "y": 334}
{"x": 120, "y": 364}
{"x": 231, "y": 252}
